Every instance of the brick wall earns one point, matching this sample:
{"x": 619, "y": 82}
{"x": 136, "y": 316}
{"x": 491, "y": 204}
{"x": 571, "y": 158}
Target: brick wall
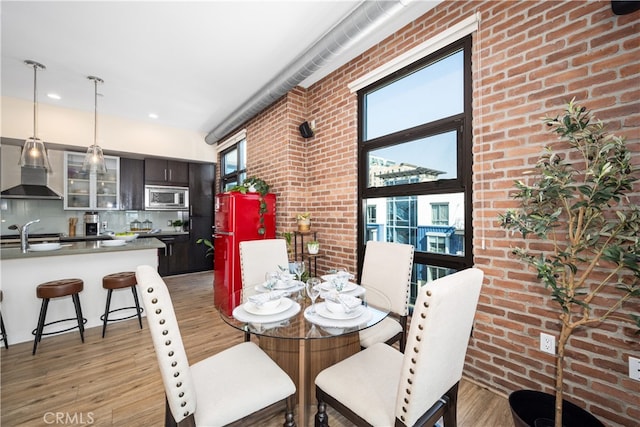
{"x": 529, "y": 59}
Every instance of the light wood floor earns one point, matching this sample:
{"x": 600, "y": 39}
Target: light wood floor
{"x": 115, "y": 381}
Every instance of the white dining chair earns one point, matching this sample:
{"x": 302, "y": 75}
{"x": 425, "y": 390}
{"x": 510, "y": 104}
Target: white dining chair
{"x": 387, "y": 267}
{"x": 257, "y": 257}
{"x": 380, "y": 386}
{"x": 218, "y": 390}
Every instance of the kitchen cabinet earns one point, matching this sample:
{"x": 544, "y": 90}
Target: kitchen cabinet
{"x": 91, "y": 190}
{"x": 166, "y": 172}
{"x": 174, "y": 258}
{"x": 131, "y": 184}
{"x": 201, "y": 184}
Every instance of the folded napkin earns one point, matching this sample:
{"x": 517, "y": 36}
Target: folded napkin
{"x": 259, "y": 299}
{"x": 348, "y": 301}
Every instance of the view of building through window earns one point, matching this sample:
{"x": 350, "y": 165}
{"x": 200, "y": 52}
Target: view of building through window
{"x": 414, "y": 159}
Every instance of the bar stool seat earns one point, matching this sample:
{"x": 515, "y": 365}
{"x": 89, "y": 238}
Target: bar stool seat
{"x": 56, "y": 289}
{"x": 122, "y": 280}
{"x": 3, "y": 332}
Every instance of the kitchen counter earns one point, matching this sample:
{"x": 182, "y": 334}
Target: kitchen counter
{"x": 89, "y": 261}
{"x": 85, "y": 247}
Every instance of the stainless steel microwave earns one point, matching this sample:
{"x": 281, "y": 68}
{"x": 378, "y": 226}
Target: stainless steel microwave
{"x": 165, "y": 198}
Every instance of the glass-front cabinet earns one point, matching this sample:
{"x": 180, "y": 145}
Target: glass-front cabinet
{"x": 95, "y": 191}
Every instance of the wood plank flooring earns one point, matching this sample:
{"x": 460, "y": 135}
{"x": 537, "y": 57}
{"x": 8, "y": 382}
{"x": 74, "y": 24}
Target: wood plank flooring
{"x": 115, "y": 381}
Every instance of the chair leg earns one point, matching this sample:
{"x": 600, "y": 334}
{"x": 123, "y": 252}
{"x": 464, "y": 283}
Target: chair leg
{"x": 289, "y": 421}
{"x": 76, "y": 303}
{"x": 138, "y": 310}
{"x": 43, "y": 314}
{"x": 450, "y": 417}
{"x": 322, "y": 419}
{"x": 105, "y": 319}
{"x": 403, "y": 337}
{"x": 4, "y": 332}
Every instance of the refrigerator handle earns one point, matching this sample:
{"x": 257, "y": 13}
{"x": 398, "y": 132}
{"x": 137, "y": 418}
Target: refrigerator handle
{"x": 222, "y": 233}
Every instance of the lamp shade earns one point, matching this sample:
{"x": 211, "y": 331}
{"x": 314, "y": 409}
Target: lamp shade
{"x": 34, "y": 154}
{"x": 94, "y": 160}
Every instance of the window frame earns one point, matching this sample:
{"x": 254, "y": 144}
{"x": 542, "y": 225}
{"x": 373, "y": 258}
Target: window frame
{"x": 238, "y": 173}
{"x": 461, "y": 123}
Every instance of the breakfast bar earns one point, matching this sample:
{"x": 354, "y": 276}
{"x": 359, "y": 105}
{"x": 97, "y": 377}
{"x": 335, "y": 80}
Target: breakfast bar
{"x": 89, "y": 261}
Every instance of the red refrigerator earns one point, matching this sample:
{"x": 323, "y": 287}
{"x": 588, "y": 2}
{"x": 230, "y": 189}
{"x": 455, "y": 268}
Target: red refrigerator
{"x": 237, "y": 219}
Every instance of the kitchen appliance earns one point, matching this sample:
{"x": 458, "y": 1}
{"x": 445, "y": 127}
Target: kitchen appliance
{"x": 91, "y": 223}
{"x": 237, "y": 219}
{"x": 166, "y": 198}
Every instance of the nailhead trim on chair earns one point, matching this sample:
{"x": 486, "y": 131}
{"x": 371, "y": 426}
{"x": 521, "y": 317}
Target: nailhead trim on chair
{"x": 414, "y": 361}
{"x": 170, "y": 353}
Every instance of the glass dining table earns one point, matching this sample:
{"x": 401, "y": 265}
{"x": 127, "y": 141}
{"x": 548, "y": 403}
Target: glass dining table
{"x": 305, "y": 338}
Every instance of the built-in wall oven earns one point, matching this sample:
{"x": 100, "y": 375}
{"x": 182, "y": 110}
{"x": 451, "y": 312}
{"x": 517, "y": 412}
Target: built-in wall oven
{"x": 166, "y": 198}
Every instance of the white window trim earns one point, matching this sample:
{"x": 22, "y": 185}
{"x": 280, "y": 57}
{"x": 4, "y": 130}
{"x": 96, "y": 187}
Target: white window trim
{"x": 450, "y": 35}
{"x": 232, "y": 140}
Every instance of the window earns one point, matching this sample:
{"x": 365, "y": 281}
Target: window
{"x": 440, "y": 213}
{"x": 414, "y": 161}
{"x": 233, "y": 163}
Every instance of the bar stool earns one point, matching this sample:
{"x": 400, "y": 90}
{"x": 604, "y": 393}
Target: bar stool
{"x": 115, "y": 281}
{"x": 3, "y": 331}
{"x": 57, "y": 289}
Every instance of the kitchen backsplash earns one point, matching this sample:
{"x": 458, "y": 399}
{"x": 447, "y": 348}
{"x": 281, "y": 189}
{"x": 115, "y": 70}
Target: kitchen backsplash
{"x": 53, "y": 219}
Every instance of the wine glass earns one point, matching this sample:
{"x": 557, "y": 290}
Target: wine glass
{"x": 313, "y": 291}
{"x": 298, "y": 268}
{"x": 270, "y": 279}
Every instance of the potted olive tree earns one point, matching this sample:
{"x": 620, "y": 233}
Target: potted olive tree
{"x": 580, "y": 205}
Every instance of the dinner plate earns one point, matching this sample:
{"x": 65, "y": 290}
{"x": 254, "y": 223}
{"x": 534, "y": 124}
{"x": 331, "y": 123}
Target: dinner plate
{"x": 113, "y": 242}
{"x": 329, "y": 277}
{"x": 251, "y": 308}
{"x": 295, "y": 285}
{"x": 322, "y": 310}
{"x": 326, "y": 286}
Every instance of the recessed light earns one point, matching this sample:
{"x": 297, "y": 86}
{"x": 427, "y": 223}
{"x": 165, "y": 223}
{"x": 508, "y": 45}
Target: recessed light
{"x": 54, "y": 96}
{"x": 153, "y": 115}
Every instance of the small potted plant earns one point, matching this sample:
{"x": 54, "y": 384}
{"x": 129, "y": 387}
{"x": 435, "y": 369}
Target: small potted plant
{"x": 177, "y": 224}
{"x": 208, "y": 244}
{"x": 313, "y": 247}
{"x": 304, "y": 221}
{"x": 256, "y": 185}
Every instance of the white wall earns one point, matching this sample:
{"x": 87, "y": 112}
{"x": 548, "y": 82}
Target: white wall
{"x": 73, "y": 129}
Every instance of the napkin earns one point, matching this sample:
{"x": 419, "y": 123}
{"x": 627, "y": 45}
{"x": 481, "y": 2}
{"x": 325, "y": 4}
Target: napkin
{"x": 260, "y": 299}
{"x": 349, "y": 301}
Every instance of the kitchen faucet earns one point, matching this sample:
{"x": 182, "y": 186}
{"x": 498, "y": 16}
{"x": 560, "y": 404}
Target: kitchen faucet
{"x": 24, "y": 234}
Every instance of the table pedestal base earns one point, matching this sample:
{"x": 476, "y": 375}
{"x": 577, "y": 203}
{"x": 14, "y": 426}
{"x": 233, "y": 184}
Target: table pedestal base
{"x": 313, "y": 355}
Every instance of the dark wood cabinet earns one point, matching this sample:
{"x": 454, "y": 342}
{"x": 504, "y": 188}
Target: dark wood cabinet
{"x": 201, "y": 185}
{"x": 131, "y": 184}
{"x": 166, "y": 172}
{"x": 174, "y": 259}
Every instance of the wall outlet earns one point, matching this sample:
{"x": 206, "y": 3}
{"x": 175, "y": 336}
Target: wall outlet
{"x": 169, "y": 222}
{"x": 547, "y": 343}
{"x": 634, "y": 368}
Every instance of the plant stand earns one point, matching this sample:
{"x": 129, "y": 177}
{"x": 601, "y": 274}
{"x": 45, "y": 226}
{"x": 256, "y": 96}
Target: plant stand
{"x": 304, "y": 255}
{"x": 531, "y": 408}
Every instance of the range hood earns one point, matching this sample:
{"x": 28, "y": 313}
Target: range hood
{"x": 33, "y": 185}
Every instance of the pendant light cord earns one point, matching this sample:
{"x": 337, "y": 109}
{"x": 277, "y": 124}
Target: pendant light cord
{"x": 35, "y": 65}
{"x": 96, "y": 80}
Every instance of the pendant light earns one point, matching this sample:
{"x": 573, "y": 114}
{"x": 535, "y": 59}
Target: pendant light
{"x": 34, "y": 153}
{"x": 94, "y": 160}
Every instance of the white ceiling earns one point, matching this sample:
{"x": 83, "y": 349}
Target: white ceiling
{"x": 191, "y": 63}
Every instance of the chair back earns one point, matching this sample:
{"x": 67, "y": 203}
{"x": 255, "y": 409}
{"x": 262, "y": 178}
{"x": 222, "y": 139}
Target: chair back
{"x": 167, "y": 342}
{"x": 387, "y": 267}
{"x": 437, "y": 341}
{"x": 257, "y": 257}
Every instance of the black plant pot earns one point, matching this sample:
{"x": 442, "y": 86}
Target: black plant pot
{"x": 527, "y": 406}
